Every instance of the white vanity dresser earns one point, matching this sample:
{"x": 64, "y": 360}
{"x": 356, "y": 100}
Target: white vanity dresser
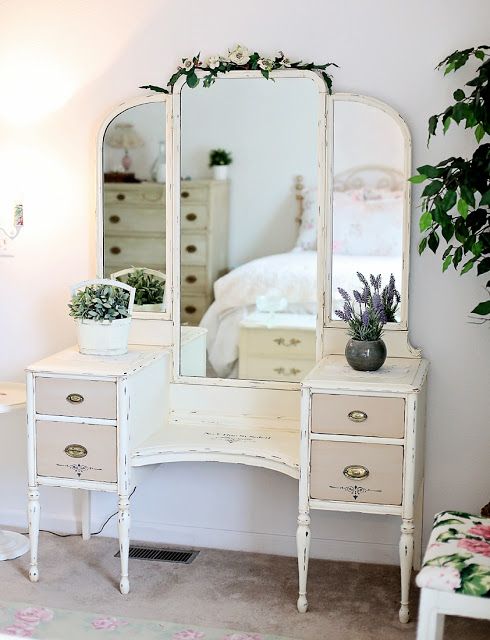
{"x": 271, "y": 391}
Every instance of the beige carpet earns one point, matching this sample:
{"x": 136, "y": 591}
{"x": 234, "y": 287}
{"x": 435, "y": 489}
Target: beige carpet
{"x": 252, "y": 592}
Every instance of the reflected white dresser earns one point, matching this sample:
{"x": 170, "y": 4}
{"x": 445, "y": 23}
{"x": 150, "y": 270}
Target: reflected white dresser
{"x": 362, "y": 444}
{"x": 276, "y": 347}
{"x": 135, "y": 232}
{"x": 85, "y": 416}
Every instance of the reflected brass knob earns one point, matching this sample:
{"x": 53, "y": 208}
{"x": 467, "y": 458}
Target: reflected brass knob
{"x": 121, "y": 196}
{"x": 191, "y": 248}
{"x": 357, "y": 416}
{"x": 191, "y": 217}
{"x": 190, "y": 309}
{"x": 185, "y": 194}
{"x": 75, "y": 398}
{"x": 76, "y": 451}
{"x": 114, "y": 219}
{"x": 191, "y": 279}
{"x": 356, "y": 472}
{"x": 115, "y": 250}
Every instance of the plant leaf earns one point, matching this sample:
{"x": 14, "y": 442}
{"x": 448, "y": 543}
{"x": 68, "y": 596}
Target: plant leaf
{"x": 479, "y": 132}
{"x": 482, "y": 309}
{"x": 425, "y": 221}
{"x": 417, "y": 179}
{"x": 447, "y": 262}
{"x": 463, "y": 208}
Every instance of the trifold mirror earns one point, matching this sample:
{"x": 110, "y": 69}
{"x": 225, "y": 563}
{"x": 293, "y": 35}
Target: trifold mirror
{"x": 286, "y": 193}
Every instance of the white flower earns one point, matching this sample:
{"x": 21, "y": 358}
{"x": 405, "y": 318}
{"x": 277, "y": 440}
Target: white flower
{"x": 267, "y": 64}
{"x": 239, "y": 55}
{"x": 286, "y": 62}
{"x": 212, "y": 62}
{"x": 187, "y": 64}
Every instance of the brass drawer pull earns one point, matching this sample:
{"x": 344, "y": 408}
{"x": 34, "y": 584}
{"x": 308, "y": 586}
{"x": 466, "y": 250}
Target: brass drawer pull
{"x": 185, "y": 194}
{"x": 115, "y": 250}
{"x": 191, "y": 248}
{"x": 283, "y": 372}
{"x": 76, "y": 451}
{"x": 356, "y": 472}
{"x": 191, "y": 279}
{"x": 191, "y": 217}
{"x": 121, "y": 196}
{"x": 357, "y": 416}
{"x": 190, "y": 309}
{"x": 114, "y": 219}
{"x": 282, "y": 342}
{"x": 75, "y": 398}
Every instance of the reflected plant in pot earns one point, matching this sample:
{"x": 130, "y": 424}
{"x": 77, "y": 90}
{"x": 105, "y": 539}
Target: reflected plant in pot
{"x": 149, "y": 289}
{"x": 219, "y": 161}
{"x": 366, "y": 313}
{"x": 102, "y": 310}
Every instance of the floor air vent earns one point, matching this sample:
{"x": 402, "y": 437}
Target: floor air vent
{"x": 162, "y": 555}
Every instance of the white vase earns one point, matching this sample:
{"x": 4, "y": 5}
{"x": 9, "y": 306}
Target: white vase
{"x": 103, "y": 338}
{"x": 220, "y": 172}
{"x": 157, "y": 307}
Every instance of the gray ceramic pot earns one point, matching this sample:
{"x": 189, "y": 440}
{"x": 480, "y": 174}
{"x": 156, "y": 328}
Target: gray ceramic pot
{"x": 365, "y": 355}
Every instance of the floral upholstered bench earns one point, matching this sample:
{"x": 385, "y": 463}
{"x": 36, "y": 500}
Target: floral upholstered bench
{"x": 455, "y": 575}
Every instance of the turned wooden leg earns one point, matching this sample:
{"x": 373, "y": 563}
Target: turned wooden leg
{"x": 418, "y": 523}
{"x": 124, "y": 523}
{"x": 303, "y": 545}
{"x": 406, "y": 560}
{"x": 430, "y": 624}
{"x": 34, "y": 511}
{"x": 86, "y": 514}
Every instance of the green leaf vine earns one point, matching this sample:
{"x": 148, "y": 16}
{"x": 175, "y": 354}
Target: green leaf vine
{"x": 239, "y": 58}
{"x": 456, "y": 198}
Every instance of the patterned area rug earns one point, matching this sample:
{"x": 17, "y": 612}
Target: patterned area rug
{"x": 23, "y": 620}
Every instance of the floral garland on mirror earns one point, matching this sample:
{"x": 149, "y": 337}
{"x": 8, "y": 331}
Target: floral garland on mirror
{"x": 239, "y": 58}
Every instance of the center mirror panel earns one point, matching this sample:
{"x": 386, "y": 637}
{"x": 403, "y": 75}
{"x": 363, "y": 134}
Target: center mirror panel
{"x": 249, "y": 163}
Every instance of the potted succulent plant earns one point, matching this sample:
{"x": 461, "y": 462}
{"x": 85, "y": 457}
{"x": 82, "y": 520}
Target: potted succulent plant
{"x": 219, "y": 161}
{"x": 102, "y": 309}
{"x": 149, "y": 287}
{"x": 366, "y": 313}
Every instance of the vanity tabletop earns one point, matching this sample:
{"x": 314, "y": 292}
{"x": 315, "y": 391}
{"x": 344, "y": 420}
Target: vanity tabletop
{"x": 12, "y": 396}
{"x": 397, "y": 374}
{"x": 71, "y": 361}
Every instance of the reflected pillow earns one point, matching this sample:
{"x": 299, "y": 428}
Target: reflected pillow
{"x": 307, "y": 233}
{"x": 368, "y": 222}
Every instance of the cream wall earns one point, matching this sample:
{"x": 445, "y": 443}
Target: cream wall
{"x": 63, "y": 66}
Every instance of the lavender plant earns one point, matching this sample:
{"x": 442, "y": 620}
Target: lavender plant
{"x": 368, "y": 310}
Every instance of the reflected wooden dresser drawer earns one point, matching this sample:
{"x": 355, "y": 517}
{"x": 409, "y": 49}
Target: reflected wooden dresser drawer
{"x": 281, "y": 369}
{"x": 193, "y": 308}
{"x": 144, "y": 193}
{"x": 357, "y": 472}
{"x": 193, "y": 279}
{"x": 194, "y": 216}
{"x": 191, "y": 192}
{"x": 135, "y": 251}
{"x": 76, "y": 451}
{"x": 194, "y": 249}
{"x": 76, "y": 397}
{"x": 358, "y": 415}
{"x": 120, "y": 219}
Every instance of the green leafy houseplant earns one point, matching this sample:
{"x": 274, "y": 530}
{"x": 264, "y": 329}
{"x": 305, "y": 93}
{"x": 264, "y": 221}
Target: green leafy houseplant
{"x": 238, "y": 58}
{"x": 149, "y": 288}
{"x": 100, "y": 303}
{"x": 456, "y": 198}
{"x": 219, "y": 158}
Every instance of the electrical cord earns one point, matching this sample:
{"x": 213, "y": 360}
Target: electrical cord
{"x": 76, "y": 535}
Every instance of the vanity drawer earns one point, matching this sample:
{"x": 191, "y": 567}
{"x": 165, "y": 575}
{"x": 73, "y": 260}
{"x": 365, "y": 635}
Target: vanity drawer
{"x": 194, "y": 279}
{"x": 76, "y": 451}
{"x": 358, "y": 415}
{"x": 288, "y": 343}
{"x": 356, "y": 472}
{"x": 146, "y": 194}
{"x": 124, "y": 219}
{"x": 136, "y": 252}
{"x": 194, "y": 216}
{"x": 193, "y": 308}
{"x": 76, "y": 397}
{"x": 193, "y": 249}
{"x": 193, "y": 193}
{"x": 283, "y": 370}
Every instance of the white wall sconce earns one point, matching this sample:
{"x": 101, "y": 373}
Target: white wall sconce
{"x": 9, "y": 234}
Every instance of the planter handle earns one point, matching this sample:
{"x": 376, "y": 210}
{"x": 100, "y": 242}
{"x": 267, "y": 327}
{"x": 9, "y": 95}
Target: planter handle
{"x": 112, "y": 283}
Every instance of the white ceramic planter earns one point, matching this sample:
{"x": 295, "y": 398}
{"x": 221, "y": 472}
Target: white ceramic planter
{"x": 220, "y": 172}
{"x": 154, "y": 308}
{"x": 103, "y": 338}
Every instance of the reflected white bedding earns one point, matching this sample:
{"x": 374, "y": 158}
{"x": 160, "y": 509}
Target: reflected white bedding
{"x": 292, "y": 274}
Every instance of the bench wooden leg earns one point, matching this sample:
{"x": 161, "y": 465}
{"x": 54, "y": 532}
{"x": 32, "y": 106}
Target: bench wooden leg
{"x": 431, "y": 621}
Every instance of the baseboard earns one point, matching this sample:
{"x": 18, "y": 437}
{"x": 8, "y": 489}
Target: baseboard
{"x": 202, "y": 537}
